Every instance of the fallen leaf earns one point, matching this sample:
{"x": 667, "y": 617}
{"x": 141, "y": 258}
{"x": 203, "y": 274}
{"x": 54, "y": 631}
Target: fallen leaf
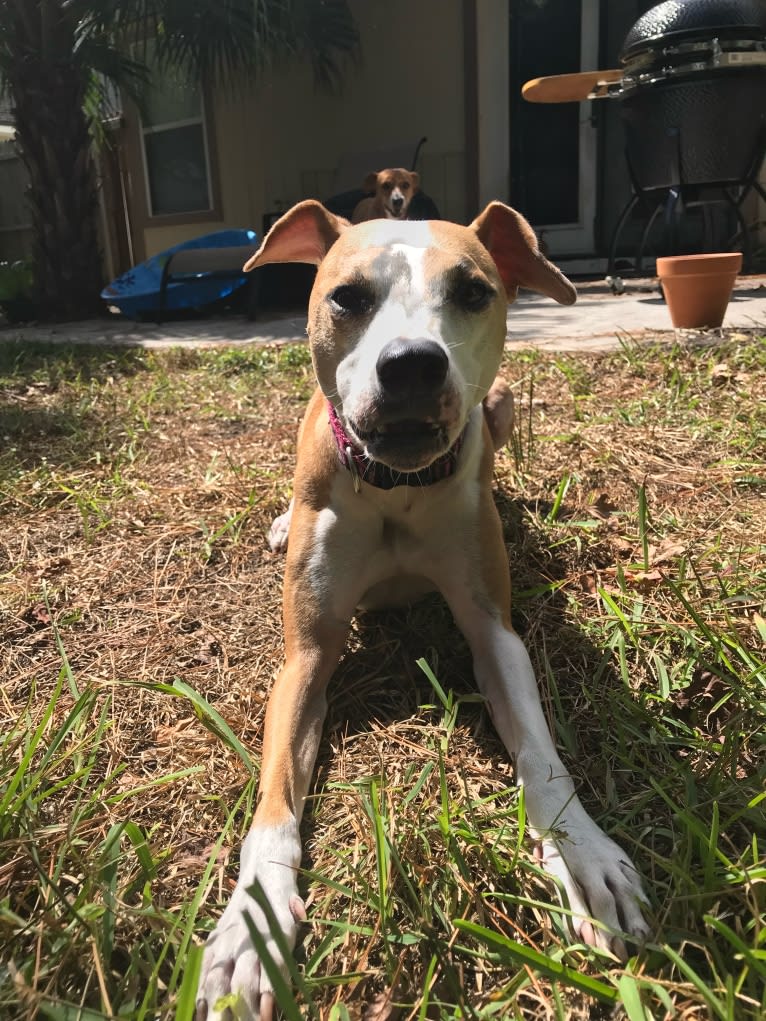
{"x": 603, "y": 507}
{"x": 642, "y": 577}
{"x": 381, "y": 1007}
{"x": 667, "y": 550}
{"x": 210, "y": 650}
{"x": 722, "y": 375}
{"x": 38, "y": 614}
{"x": 589, "y": 583}
{"x": 700, "y": 699}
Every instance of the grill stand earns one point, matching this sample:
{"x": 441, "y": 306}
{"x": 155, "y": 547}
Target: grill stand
{"x": 676, "y": 199}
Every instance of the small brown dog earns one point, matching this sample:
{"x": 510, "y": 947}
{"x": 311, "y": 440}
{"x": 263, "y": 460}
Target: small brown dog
{"x": 393, "y": 189}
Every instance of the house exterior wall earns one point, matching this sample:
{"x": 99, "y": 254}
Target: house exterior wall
{"x": 15, "y": 226}
{"x": 437, "y": 68}
{"x": 280, "y": 141}
{"x": 492, "y": 101}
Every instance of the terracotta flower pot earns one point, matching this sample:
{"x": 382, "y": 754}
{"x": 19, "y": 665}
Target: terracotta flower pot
{"x": 697, "y": 288}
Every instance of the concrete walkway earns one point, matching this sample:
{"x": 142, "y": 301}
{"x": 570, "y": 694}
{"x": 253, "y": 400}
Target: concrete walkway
{"x": 599, "y": 321}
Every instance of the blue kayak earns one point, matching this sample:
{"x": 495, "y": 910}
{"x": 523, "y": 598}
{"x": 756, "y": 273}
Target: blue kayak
{"x": 137, "y": 292}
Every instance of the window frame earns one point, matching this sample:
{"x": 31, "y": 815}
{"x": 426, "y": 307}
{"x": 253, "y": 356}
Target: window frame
{"x": 138, "y": 180}
{"x": 145, "y": 130}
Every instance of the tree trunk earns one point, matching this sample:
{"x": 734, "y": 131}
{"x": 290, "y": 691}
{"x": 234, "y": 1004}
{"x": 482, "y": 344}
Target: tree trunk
{"x": 54, "y": 143}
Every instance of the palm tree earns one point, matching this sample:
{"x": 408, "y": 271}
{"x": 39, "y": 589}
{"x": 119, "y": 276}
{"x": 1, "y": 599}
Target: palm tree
{"x": 56, "y": 55}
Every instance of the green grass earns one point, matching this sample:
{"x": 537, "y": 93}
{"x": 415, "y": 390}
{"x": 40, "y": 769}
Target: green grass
{"x": 140, "y": 613}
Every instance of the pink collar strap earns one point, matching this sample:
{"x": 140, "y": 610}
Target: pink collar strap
{"x": 380, "y": 475}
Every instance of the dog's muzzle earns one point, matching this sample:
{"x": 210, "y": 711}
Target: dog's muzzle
{"x": 364, "y": 469}
{"x": 406, "y": 431}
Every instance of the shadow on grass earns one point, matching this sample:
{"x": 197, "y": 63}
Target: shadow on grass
{"x": 655, "y": 778}
{"x": 386, "y": 719}
{"x": 45, "y": 411}
{"x": 378, "y": 677}
{"x": 56, "y": 363}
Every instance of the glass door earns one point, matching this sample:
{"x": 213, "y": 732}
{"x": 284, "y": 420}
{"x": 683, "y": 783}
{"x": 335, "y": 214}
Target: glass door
{"x": 553, "y": 146}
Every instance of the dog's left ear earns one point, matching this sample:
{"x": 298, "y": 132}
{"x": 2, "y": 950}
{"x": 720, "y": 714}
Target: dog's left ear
{"x": 370, "y": 183}
{"x": 415, "y": 176}
{"x": 511, "y": 242}
{"x": 304, "y": 234}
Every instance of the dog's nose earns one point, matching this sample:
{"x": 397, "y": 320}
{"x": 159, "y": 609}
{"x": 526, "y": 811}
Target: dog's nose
{"x": 408, "y": 368}
{"x": 397, "y": 201}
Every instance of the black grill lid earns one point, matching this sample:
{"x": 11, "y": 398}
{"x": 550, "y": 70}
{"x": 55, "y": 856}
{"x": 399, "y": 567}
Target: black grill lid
{"x": 676, "y": 21}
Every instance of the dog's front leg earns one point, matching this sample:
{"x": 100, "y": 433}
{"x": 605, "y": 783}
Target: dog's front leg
{"x": 601, "y": 883}
{"x": 271, "y": 853}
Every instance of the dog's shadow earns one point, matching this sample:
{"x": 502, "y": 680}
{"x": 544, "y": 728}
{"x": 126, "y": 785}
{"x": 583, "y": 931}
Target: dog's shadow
{"x": 379, "y": 684}
{"x": 382, "y": 706}
{"x": 379, "y": 677}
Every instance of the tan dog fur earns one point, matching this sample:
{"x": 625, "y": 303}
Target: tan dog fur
{"x": 441, "y": 290}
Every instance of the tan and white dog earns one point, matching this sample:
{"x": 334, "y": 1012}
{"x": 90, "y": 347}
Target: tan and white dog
{"x": 393, "y": 498}
{"x": 393, "y": 189}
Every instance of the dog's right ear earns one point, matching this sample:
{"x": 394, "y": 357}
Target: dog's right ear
{"x": 370, "y": 183}
{"x": 304, "y": 234}
{"x": 512, "y": 244}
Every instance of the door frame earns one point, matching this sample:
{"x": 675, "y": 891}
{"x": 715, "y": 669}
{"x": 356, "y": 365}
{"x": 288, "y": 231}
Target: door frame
{"x": 488, "y": 117}
{"x": 579, "y": 236}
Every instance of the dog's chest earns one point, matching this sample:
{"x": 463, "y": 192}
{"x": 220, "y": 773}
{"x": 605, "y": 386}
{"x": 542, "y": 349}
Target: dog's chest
{"x": 396, "y": 537}
{"x": 385, "y": 533}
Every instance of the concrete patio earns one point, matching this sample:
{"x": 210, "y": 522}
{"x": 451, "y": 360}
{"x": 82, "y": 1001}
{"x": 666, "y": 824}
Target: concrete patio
{"x": 599, "y": 321}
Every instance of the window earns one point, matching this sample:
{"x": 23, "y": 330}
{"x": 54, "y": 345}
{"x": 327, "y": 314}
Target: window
{"x": 175, "y": 146}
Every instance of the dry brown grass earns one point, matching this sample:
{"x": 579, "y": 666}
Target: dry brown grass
{"x": 137, "y": 493}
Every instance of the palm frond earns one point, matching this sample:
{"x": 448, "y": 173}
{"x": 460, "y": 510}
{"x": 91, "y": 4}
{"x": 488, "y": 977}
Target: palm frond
{"x": 219, "y": 40}
{"x": 114, "y": 69}
{"x": 214, "y": 40}
{"x": 330, "y": 36}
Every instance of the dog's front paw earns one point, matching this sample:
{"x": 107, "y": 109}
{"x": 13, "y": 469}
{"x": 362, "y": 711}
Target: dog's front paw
{"x": 280, "y": 528}
{"x": 602, "y": 885}
{"x": 234, "y": 983}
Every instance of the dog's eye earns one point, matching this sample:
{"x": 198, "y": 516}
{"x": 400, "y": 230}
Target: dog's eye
{"x": 351, "y": 299}
{"x": 473, "y": 295}
{"x": 404, "y": 186}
